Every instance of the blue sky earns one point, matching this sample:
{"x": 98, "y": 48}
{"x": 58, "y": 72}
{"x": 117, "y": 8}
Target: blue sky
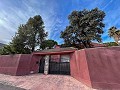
{"x": 54, "y": 14}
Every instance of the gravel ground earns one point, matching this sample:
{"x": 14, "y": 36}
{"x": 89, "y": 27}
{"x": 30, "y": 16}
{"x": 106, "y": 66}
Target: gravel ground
{"x": 42, "y": 82}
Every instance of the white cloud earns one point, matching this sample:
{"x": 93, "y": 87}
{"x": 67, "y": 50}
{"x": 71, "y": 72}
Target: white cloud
{"x": 12, "y": 16}
{"x": 107, "y": 4}
{"x": 54, "y": 14}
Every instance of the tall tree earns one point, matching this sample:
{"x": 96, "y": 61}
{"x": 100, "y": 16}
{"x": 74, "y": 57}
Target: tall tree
{"x": 29, "y": 36}
{"x": 115, "y": 33}
{"x": 36, "y": 33}
{"x": 85, "y": 26}
{"x": 48, "y": 44}
{"x": 20, "y": 40}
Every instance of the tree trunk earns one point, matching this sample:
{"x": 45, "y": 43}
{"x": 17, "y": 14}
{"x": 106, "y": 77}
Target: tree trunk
{"x": 32, "y": 49}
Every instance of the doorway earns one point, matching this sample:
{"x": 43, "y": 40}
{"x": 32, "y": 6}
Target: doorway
{"x": 41, "y": 65}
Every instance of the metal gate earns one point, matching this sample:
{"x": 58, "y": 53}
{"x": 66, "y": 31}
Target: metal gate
{"x": 41, "y": 65}
{"x": 58, "y": 67}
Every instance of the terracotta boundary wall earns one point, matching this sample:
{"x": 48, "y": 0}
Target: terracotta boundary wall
{"x": 18, "y": 64}
{"x": 9, "y": 64}
{"x": 79, "y": 67}
{"x": 34, "y": 63}
{"x": 104, "y": 67}
{"x": 24, "y": 64}
{"x": 97, "y": 67}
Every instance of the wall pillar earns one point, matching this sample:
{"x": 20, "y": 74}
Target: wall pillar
{"x": 46, "y": 67}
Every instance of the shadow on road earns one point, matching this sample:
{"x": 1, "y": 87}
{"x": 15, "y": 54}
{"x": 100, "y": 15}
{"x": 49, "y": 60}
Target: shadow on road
{"x": 8, "y": 87}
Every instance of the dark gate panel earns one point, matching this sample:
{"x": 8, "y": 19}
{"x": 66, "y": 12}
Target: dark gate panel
{"x": 57, "y": 67}
{"x": 41, "y": 65}
{"x": 64, "y": 68}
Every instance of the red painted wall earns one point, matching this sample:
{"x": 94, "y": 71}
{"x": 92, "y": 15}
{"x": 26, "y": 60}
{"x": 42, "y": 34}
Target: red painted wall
{"x": 97, "y": 67}
{"x": 9, "y": 64}
{"x": 18, "y": 64}
{"x": 24, "y": 64}
{"x": 34, "y": 66}
{"x": 104, "y": 67}
{"x": 79, "y": 67}
{"x": 55, "y": 58}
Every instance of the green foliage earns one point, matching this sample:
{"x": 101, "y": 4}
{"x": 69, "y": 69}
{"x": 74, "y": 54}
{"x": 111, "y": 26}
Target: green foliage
{"x": 112, "y": 31}
{"x": 84, "y": 26}
{"x": 36, "y": 33}
{"x": 7, "y": 49}
{"x": 115, "y": 33}
{"x": 109, "y": 44}
{"x": 29, "y": 36}
{"x": 48, "y": 44}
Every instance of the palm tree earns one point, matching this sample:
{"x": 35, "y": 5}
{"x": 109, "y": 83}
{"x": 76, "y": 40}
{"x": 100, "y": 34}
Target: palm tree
{"x": 113, "y": 32}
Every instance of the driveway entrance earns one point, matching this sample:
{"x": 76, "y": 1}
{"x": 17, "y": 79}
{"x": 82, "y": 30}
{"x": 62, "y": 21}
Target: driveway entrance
{"x": 56, "y": 66}
{"x": 59, "y": 65}
{"x": 55, "y": 61}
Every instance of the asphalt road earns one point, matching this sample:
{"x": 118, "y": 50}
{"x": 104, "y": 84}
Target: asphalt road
{"x": 8, "y": 87}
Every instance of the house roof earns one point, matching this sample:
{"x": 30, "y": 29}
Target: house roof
{"x": 56, "y": 51}
{"x": 98, "y": 44}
